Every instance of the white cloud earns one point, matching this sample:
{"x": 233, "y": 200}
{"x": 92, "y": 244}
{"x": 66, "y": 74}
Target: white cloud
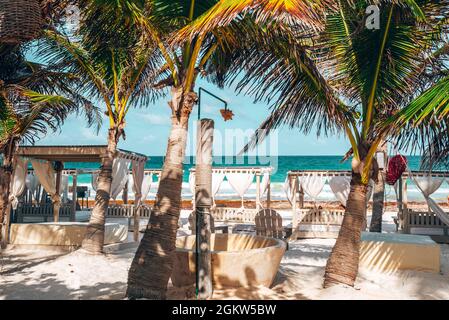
{"x": 155, "y": 119}
{"x": 89, "y": 135}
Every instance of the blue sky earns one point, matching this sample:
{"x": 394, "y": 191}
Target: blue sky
{"x": 147, "y": 129}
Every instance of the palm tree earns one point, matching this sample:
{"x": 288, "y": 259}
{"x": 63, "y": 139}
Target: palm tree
{"x": 113, "y": 54}
{"x": 33, "y": 100}
{"x": 212, "y": 53}
{"x": 367, "y": 75}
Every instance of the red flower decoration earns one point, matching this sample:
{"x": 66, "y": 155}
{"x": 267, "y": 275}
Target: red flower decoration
{"x": 227, "y": 114}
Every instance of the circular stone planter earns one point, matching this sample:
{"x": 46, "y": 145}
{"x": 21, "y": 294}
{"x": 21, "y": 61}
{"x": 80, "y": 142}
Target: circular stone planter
{"x": 238, "y": 260}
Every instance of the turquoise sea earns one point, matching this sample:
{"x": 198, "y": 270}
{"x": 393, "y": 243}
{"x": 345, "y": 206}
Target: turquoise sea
{"x": 281, "y": 165}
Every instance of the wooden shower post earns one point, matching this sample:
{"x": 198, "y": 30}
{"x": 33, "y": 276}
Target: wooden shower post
{"x": 203, "y": 203}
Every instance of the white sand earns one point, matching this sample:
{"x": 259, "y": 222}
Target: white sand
{"x": 37, "y": 274}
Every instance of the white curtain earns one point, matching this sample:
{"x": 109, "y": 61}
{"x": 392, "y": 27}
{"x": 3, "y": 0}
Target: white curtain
{"x": 435, "y": 208}
{"x": 138, "y": 173}
{"x": 192, "y": 182}
{"x": 217, "y": 179}
{"x": 240, "y": 182}
{"x": 18, "y": 182}
{"x": 146, "y": 185}
{"x": 313, "y": 185}
{"x": 341, "y": 186}
{"x": 47, "y": 178}
{"x": 32, "y": 182}
{"x": 64, "y": 187}
{"x": 264, "y": 183}
{"x": 120, "y": 174}
{"x": 428, "y": 184}
{"x": 94, "y": 181}
{"x": 289, "y": 189}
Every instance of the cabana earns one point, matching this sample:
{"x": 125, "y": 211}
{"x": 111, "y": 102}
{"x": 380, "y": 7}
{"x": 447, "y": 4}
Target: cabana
{"x": 240, "y": 179}
{"x": 48, "y": 167}
{"x": 433, "y": 222}
{"x": 315, "y": 222}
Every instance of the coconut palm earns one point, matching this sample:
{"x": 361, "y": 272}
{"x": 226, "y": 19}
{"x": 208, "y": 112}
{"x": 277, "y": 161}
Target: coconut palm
{"x": 215, "y": 50}
{"x": 113, "y": 54}
{"x": 33, "y": 100}
{"x": 368, "y": 74}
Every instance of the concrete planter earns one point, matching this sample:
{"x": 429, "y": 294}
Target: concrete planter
{"x": 238, "y": 260}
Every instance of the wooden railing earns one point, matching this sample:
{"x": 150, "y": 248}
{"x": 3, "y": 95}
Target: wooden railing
{"x": 320, "y": 216}
{"x": 317, "y": 223}
{"x": 127, "y": 211}
{"x": 420, "y": 219}
{"x": 44, "y": 212}
{"x": 234, "y": 214}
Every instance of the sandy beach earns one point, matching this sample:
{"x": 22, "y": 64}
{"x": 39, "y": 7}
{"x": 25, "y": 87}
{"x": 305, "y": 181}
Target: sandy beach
{"x": 41, "y": 274}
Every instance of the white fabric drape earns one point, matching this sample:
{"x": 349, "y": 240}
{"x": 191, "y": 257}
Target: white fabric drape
{"x": 32, "y": 182}
{"x": 264, "y": 183}
{"x": 435, "y": 208}
{"x": 138, "y": 173}
{"x": 289, "y": 189}
{"x": 64, "y": 187}
{"x": 240, "y": 182}
{"x": 341, "y": 186}
{"x": 217, "y": 179}
{"x": 94, "y": 181}
{"x": 428, "y": 185}
{"x": 47, "y": 178}
{"x": 313, "y": 185}
{"x": 120, "y": 174}
{"x": 18, "y": 182}
{"x": 146, "y": 185}
{"x": 192, "y": 182}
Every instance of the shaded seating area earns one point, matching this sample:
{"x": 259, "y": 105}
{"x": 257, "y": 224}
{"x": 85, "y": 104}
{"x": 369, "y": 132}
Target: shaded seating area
{"x": 41, "y": 193}
{"x": 316, "y": 222}
{"x": 435, "y": 221}
{"x": 240, "y": 179}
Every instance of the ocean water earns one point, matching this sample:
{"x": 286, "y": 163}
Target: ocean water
{"x": 281, "y": 165}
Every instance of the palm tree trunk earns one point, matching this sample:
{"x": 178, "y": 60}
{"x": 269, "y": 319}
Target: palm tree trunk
{"x": 152, "y": 265}
{"x": 342, "y": 266}
{"x": 379, "y": 196}
{"x": 94, "y": 238}
{"x": 5, "y": 182}
{"x": 6, "y": 172}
